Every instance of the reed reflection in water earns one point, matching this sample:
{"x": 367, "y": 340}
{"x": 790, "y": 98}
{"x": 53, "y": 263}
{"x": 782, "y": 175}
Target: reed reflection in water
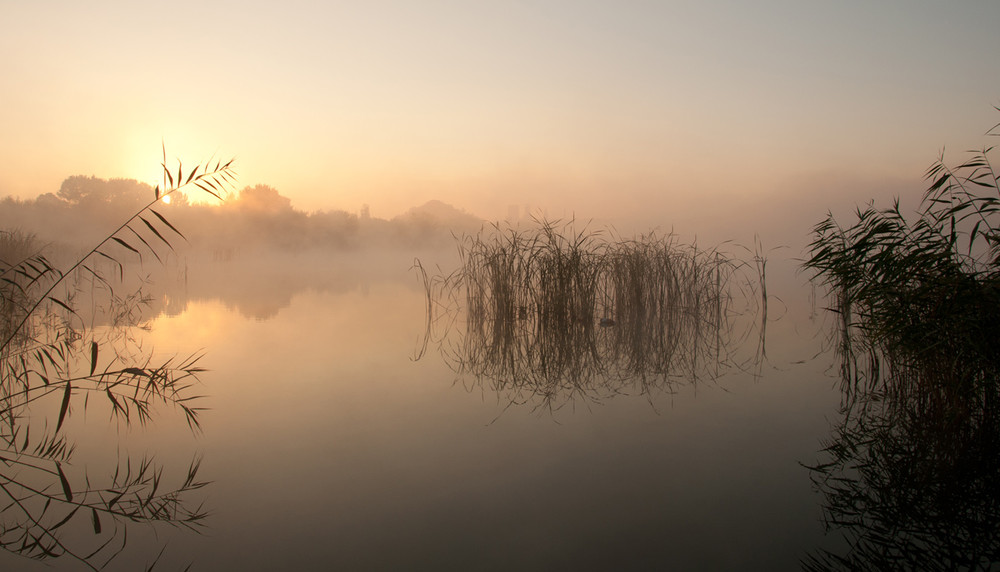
{"x": 53, "y": 508}
{"x": 65, "y": 344}
{"x": 362, "y": 459}
{"x": 911, "y": 479}
{"x": 912, "y": 476}
{"x": 552, "y": 314}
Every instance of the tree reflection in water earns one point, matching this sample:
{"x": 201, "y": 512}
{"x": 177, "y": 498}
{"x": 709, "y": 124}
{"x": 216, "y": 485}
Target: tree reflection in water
{"x": 548, "y": 315}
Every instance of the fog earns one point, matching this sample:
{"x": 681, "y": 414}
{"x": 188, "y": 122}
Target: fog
{"x": 256, "y": 250}
{"x": 85, "y": 209}
{"x": 368, "y": 401}
{"x": 345, "y": 402}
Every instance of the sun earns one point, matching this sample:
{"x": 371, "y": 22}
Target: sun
{"x": 166, "y": 199}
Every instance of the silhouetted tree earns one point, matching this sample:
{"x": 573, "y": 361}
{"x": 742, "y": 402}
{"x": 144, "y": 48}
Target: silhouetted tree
{"x": 262, "y": 199}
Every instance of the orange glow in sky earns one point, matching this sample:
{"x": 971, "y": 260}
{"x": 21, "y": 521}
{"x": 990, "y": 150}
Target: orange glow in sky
{"x": 583, "y": 106}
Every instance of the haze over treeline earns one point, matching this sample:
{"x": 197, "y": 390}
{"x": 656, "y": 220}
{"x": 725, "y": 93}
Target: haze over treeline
{"x": 86, "y": 209}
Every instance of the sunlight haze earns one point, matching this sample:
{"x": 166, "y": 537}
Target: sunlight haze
{"x": 457, "y": 285}
{"x": 597, "y": 109}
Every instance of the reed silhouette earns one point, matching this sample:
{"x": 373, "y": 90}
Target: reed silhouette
{"x": 549, "y": 314}
{"x": 52, "y": 361}
{"x": 920, "y": 296}
{"x": 911, "y": 476}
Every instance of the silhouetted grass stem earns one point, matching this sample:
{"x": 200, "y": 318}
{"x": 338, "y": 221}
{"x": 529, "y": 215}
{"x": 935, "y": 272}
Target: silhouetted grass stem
{"x": 555, "y": 312}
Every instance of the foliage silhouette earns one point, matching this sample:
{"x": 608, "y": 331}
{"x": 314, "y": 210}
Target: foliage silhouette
{"x": 924, "y": 293}
{"x": 911, "y": 477}
{"x": 49, "y": 355}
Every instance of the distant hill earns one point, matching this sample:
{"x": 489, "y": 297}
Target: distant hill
{"x": 442, "y": 211}
{"x": 439, "y": 214}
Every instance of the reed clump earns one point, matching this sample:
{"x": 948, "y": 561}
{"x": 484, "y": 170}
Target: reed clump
{"x": 15, "y": 247}
{"x": 911, "y": 477}
{"x": 552, "y": 313}
{"x": 918, "y": 296}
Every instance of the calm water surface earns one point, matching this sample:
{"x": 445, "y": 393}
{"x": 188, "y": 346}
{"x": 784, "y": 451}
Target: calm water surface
{"x": 331, "y": 448}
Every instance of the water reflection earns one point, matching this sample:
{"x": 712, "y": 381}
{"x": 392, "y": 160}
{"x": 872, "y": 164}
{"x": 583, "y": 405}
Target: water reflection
{"x": 910, "y": 478}
{"x": 259, "y": 285}
{"x": 61, "y": 361}
{"x": 549, "y": 315}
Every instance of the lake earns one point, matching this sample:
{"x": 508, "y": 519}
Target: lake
{"x": 329, "y": 445}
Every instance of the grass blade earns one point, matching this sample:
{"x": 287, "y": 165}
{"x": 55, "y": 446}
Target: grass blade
{"x": 65, "y": 483}
{"x": 65, "y": 405}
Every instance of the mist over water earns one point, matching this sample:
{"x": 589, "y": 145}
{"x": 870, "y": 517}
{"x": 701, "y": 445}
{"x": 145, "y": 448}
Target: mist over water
{"x": 330, "y": 445}
{"x": 359, "y": 415}
{"x": 498, "y": 286}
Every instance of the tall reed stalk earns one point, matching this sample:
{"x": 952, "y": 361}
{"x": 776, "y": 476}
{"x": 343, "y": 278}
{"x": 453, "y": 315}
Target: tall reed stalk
{"x": 553, "y": 313}
{"x": 919, "y": 296}
{"x": 911, "y": 477}
{"x": 50, "y": 361}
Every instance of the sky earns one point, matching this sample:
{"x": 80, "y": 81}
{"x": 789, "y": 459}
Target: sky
{"x": 616, "y": 109}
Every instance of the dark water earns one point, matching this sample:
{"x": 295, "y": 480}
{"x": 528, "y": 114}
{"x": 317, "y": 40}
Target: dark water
{"x": 330, "y": 447}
